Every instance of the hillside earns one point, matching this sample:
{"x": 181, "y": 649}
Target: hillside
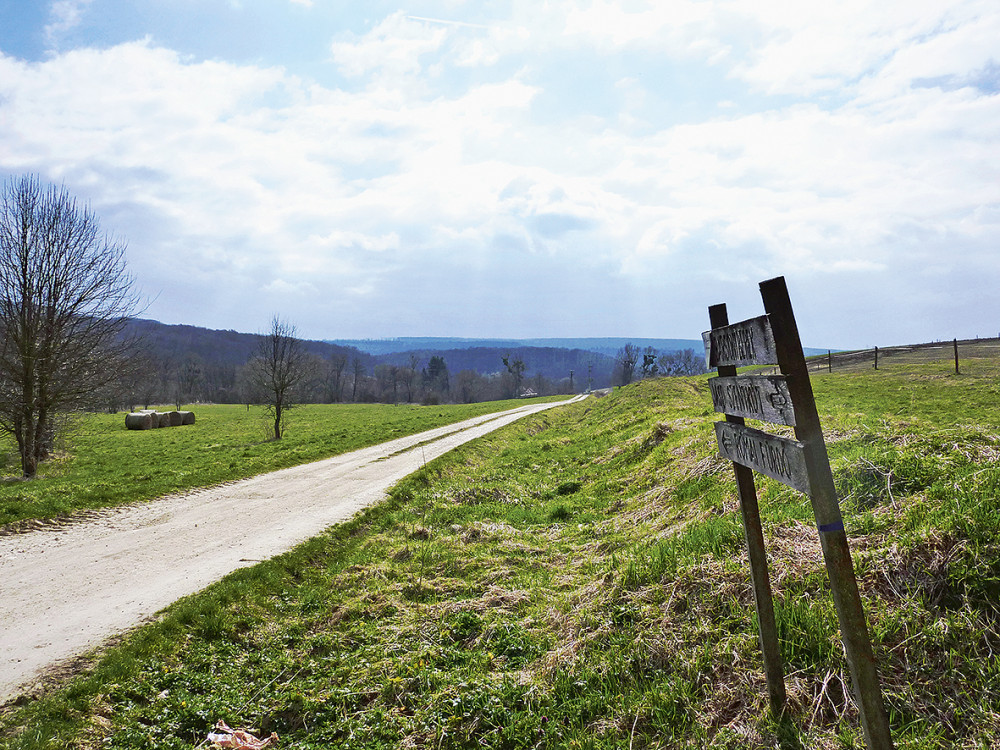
{"x": 579, "y": 580}
{"x": 224, "y": 348}
{"x": 192, "y": 364}
{"x": 204, "y": 364}
{"x": 607, "y": 346}
{"x": 209, "y": 360}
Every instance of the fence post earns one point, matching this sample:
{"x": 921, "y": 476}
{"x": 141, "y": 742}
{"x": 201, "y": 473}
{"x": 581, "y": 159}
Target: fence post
{"x": 829, "y": 359}
{"x": 829, "y": 521}
{"x": 774, "y": 670}
{"x": 876, "y": 357}
{"x": 956, "y": 356}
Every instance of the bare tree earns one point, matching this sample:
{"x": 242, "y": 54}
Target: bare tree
{"x": 516, "y": 370}
{"x": 682, "y": 362}
{"x": 335, "y": 377}
{"x": 408, "y": 375}
{"x": 469, "y": 385}
{"x": 626, "y": 359}
{"x": 247, "y": 385}
{"x": 358, "y": 370}
{"x": 188, "y": 378}
{"x": 65, "y": 297}
{"x": 277, "y": 368}
{"x": 386, "y": 377}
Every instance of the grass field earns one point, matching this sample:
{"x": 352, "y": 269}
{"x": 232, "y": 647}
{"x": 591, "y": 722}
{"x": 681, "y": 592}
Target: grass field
{"x": 976, "y": 357}
{"x": 579, "y": 580}
{"x": 100, "y": 464}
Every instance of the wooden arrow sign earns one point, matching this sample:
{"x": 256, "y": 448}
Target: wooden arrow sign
{"x": 749, "y": 342}
{"x": 763, "y": 397}
{"x": 773, "y": 456}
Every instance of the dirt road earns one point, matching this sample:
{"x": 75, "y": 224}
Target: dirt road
{"x": 67, "y": 589}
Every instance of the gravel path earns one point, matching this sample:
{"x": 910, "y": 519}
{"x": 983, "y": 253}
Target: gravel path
{"x": 68, "y": 588}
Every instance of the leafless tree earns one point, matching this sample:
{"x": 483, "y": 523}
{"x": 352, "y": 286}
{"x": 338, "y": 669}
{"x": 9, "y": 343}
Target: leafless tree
{"x": 65, "y": 297}
{"x": 682, "y": 362}
{"x": 516, "y": 370}
{"x": 335, "y": 377}
{"x": 358, "y": 370}
{"x": 277, "y": 368}
{"x": 247, "y": 385}
{"x": 188, "y": 378}
{"x": 408, "y": 375}
{"x": 626, "y": 360}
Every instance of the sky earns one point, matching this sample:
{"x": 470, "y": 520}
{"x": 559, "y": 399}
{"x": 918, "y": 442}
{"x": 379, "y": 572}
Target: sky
{"x": 526, "y": 168}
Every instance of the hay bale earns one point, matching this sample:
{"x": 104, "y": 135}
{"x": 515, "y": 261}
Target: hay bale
{"x": 163, "y": 419}
{"x": 175, "y": 419}
{"x": 187, "y": 417}
{"x": 139, "y": 421}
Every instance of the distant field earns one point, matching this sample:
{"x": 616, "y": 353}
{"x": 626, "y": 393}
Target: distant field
{"x": 579, "y": 580}
{"x": 101, "y": 464}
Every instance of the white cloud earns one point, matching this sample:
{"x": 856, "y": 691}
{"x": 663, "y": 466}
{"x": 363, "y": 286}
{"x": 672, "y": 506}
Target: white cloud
{"x": 282, "y": 288}
{"x": 811, "y": 48}
{"x": 799, "y": 48}
{"x": 855, "y": 139}
{"x": 64, "y": 15}
{"x": 394, "y": 48}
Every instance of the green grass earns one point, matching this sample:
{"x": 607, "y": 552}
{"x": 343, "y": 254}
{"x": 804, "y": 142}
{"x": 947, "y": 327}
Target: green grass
{"x": 100, "y": 464}
{"x": 578, "y": 580}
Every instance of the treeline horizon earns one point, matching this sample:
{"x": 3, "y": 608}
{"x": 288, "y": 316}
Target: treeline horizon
{"x": 183, "y": 364}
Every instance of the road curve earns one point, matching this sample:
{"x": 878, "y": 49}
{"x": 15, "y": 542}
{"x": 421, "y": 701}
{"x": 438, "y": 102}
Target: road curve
{"x": 67, "y": 589}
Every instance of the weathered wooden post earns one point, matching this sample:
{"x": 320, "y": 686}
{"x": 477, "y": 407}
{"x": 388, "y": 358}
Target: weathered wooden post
{"x": 726, "y": 393}
{"x": 802, "y": 464}
{"x": 956, "y": 356}
{"x": 829, "y": 359}
{"x": 876, "y": 357}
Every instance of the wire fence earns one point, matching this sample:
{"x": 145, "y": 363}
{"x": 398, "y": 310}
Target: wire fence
{"x": 958, "y": 356}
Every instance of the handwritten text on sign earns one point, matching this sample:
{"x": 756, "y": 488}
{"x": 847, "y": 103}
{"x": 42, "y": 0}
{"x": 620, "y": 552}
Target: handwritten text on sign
{"x": 747, "y": 343}
{"x": 755, "y": 397}
{"x": 773, "y": 456}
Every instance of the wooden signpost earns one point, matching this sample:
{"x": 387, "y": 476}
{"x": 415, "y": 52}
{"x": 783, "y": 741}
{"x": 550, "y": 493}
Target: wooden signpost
{"x": 803, "y": 464}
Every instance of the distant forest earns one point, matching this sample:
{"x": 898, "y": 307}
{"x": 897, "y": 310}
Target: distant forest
{"x": 179, "y": 364}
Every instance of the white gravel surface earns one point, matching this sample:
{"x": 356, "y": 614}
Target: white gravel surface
{"x": 66, "y": 589}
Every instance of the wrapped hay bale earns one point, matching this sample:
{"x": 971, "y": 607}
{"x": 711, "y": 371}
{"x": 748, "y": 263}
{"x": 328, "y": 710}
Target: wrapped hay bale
{"x": 139, "y": 421}
{"x": 187, "y": 417}
{"x": 175, "y": 419}
{"x": 163, "y": 419}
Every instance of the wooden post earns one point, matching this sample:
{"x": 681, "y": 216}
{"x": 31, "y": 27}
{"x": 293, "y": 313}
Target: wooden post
{"x": 876, "y": 357}
{"x": 829, "y": 359}
{"x": 757, "y": 554}
{"x": 829, "y": 521}
{"x": 956, "y": 356}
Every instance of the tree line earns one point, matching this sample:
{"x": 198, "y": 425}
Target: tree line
{"x": 336, "y": 377}
{"x": 631, "y": 363}
{"x": 186, "y": 364}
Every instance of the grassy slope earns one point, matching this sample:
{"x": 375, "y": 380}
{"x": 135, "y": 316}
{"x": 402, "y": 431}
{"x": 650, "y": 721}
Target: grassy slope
{"x": 102, "y": 464}
{"x": 578, "y": 580}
